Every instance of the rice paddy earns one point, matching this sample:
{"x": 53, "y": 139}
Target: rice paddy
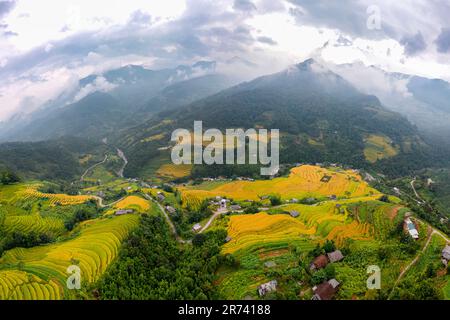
{"x": 303, "y": 181}
{"x": 41, "y": 272}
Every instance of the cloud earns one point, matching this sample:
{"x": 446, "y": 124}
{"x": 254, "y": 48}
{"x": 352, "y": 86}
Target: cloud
{"x": 100, "y": 84}
{"x": 6, "y": 7}
{"x": 267, "y": 40}
{"x": 140, "y": 18}
{"x": 414, "y": 44}
{"x": 443, "y": 41}
{"x": 244, "y": 5}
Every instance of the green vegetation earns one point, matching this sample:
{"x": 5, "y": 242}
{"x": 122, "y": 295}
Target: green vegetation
{"x": 171, "y": 272}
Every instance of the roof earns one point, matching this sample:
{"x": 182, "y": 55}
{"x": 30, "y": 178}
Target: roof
{"x": 335, "y": 256}
{"x": 325, "y": 291}
{"x": 270, "y": 264}
{"x": 123, "y": 211}
{"x": 170, "y": 209}
{"x": 320, "y": 262}
{"x": 197, "y": 226}
{"x": 267, "y": 287}
{"x": 294, "y": 213}
{"x": 446, "y": 252}
{"x": 334, "y": 283}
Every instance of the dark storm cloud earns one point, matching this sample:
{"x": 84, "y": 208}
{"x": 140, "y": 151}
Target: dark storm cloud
{"x": 414, "y": 44}
{"x": 443, "y": 41}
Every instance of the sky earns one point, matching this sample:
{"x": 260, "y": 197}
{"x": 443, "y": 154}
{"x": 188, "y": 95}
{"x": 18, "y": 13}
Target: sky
{"x": 46, "y": 46}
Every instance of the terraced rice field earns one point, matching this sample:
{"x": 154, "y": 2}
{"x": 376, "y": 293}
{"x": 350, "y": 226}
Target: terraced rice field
{"x": 194, "y": 200}
{"x": 174, "y": 171}
{"x": 247, "y": 230}
{"x": 41, "y": 272}
{"x": 303, "y": 181}
{"x": 133, "y": 202}
{"x": 32, "y": 193}
{"x": 33, "y": 223}
{"x": 378, "y": 147}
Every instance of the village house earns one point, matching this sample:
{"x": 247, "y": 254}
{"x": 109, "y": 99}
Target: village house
{"x": 411, "y": 227}
{"x": 319, "y": 263}
{"x": 227, "y": 239}
{"x": 335, "y": 256}
{"x": 170, "y": 209}
{"x": 294, "y": 214}
{"x": 160, "y": 196}
{"x": 197, "y": 227}
{"x": 326, "y": 290}
{"x": 223, "y": 204}
{"x": 123, "y": 212}
{"x": 267, "y": 287}
{"x": 235, "y": 207}
{"x": 446, "y": 255}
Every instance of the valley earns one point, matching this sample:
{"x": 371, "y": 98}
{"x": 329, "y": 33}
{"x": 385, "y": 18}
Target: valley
{"x": 359, "y": 186}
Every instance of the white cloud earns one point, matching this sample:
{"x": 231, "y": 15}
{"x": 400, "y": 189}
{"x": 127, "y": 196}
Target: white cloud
{"x": 100, "y": 84}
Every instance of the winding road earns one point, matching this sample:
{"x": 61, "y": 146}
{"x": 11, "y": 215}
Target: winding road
{"x": 213, "y": 217}
{"x": 92, "y": 167}
{"x": 166, "y": 216}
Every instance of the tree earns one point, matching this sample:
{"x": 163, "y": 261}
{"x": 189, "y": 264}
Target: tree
{"x": 329, "y": 246}
{"x": 275, "y": 200}
{"x": 8, "y": 177}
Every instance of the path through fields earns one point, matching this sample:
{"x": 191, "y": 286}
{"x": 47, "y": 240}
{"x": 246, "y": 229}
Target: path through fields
{"x": 166, "y": 216}
{"x": 92, "y": 167}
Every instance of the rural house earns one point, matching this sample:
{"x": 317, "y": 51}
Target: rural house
{"x": 446, "y": 255}
{"x": 122, "y": 212}
{"x": 170, "y": 209}
{"x": 411, "y": 227}
{"x": 325, "y": 290}
{"x": 267, "y": 287}
{"x": 160, "y": 196}
{"x": 196, "y": 227}
{"x": 294, "y": 214}
{"x": 235, "y": 207}
{"x": 319, "y": 263}
{"x": 227, "y": 239}
{"x": 335, "y": 256}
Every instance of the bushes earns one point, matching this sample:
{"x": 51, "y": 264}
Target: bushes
{"x": 275, "y": 200}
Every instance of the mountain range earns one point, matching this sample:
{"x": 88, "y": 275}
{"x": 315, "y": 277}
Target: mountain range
{"x": 323, "y": 113}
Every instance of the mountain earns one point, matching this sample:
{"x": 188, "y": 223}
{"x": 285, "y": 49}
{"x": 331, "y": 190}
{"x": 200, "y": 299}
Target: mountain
{"x": 50, "y": 160}
{"x": 321, "y": 117}
{"x": 114, "y": 100}
{"x": 424, "y": 101}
